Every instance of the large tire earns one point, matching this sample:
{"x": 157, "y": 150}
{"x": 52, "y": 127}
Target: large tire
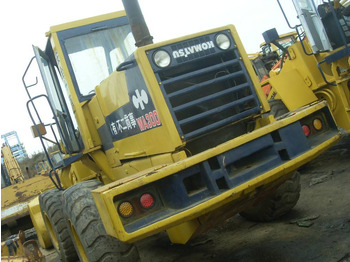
{"x": 87, "y": 231}
{"x": 278, "y": 204}
{"x": 52, "y": 211}
{"x": 277, "y": 107}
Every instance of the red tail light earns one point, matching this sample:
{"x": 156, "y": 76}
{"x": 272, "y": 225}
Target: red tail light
{"x": 146, "y": 200}
{"x": 306, "y": 130}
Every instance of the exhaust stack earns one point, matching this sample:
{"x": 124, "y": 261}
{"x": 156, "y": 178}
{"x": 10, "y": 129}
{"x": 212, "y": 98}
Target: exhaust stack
{"x": 137, "y": 22}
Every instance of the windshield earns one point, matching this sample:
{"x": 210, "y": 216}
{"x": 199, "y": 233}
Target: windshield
{"x": 312, "y": 24}
{"x": 284, "y": 41}
{"x": 94, "y": 56}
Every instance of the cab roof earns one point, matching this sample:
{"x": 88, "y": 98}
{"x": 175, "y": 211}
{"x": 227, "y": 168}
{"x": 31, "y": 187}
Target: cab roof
{"x": 85, "y": 21}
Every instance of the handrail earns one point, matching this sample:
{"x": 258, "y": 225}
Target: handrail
{"x": 294, "y": 28}
{"x": 285, "y": 17}
{"x": 53, "y": 168}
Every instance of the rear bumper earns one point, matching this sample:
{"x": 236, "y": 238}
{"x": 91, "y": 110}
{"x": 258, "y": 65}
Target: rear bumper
{"x": 207, "y": 181}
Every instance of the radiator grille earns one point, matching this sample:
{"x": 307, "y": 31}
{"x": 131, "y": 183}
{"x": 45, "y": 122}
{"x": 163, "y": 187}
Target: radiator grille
{"x": 208, "y": 90}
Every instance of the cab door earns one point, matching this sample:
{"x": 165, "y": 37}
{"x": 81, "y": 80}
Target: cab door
{"x": 66, "y": 125}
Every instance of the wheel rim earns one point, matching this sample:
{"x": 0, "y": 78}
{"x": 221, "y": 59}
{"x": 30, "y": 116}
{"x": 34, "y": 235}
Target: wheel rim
{"x": 78, "y": 244}
{"x": 51, "y": 232}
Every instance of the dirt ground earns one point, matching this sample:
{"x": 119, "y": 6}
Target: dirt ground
{"x": 317, "y": 229}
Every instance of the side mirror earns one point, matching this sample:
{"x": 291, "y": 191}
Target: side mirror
{"x": 270, "y": 36}
{"x": 41, "y": 128}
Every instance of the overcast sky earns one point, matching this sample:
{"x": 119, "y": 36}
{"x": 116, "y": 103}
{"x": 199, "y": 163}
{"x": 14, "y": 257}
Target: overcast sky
{"x": 24, "y": 23}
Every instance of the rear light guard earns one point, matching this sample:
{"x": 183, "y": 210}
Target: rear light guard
{"x": 317, "y": 125}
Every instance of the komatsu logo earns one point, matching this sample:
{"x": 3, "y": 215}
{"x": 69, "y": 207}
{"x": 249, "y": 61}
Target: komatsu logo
{"x": 185, "y": 52}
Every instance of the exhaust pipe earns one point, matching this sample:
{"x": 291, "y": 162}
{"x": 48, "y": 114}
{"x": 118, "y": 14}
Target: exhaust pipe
{"x": 138, "y": 25}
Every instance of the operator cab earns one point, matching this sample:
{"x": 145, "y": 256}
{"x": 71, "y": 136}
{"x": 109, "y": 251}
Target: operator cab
{"x": 78, "y": 57}
{"x": 93, "y": 51}
{"x": 326, "y": 24}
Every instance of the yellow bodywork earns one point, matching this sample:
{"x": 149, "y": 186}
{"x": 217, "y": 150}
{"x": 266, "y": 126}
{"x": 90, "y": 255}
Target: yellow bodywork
{"x": 131, "y": 147}
{"x": 15, "y": 198}
{"x": 75, "y": 173}
{"x": 182, "y": 226}
{"x": 38, "y": 223}
{"x": 300, "y": 83}
{"x": 11, "y": 164}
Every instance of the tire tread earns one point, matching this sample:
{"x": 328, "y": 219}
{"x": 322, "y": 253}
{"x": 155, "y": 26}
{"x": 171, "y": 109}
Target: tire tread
{"x": 98, "y": 246}
{"x": 278, "y": 204}
{"x": 51, "y": 204}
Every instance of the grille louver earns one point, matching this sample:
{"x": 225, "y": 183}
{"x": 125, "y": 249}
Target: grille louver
{"x": 207, "y": 91}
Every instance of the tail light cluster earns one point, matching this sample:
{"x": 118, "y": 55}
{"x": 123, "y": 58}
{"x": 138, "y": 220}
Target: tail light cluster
{"x": 137, "y": 205}
{"x": 314, "y": 125}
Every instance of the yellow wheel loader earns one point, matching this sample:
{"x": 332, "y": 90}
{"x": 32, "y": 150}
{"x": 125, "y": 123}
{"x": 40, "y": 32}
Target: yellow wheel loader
{"x": 173, "y": 136}
{"x": 314, "y": 66}
{"x": 16, "y": 193}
